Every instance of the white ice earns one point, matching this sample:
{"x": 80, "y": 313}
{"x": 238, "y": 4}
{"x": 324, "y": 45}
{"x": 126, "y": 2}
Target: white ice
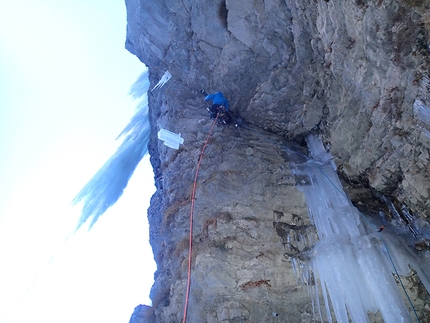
{"x": 166, "y": 77}
{"x": 171, "y": 139}
{"x": 352, "y": 261}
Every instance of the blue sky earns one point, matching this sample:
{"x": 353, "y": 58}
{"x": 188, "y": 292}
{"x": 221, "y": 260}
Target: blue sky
{"x": 64, "y": 79}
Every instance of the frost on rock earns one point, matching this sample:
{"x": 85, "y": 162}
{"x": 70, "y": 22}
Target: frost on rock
{"x": 353, "y": 262}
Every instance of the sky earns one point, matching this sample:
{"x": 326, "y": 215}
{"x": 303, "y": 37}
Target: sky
{"x": 64, "y": 80}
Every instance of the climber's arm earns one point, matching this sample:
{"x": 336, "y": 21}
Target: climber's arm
{"x": 209, "y": 97}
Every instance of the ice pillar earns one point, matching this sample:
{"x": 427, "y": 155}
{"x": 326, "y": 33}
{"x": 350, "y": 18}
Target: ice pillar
{"x": 349, "y": 260}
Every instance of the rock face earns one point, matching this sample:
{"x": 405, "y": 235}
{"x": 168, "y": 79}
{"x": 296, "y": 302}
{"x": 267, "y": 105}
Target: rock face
{"x": 356, "y": 72}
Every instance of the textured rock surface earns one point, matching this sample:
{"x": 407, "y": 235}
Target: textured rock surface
{"x": 357, "y": 72}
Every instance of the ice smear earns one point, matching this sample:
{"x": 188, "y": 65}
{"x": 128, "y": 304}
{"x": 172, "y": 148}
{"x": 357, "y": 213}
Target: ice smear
{"x": 352, "y": 261}
{"x": 422, "y": 112}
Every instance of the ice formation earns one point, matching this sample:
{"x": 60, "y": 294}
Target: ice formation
{"x": 171, "y": 139}
{"x": 352, "y": 262}
{"x": 422, "y": 112}
{"x": 164, "y": 79}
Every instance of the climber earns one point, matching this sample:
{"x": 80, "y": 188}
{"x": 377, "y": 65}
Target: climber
{"x": 219, "y": 105}
{"x": 219, "y": 99}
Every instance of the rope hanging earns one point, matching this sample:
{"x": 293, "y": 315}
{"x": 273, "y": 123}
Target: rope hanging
{"x": 193, "y": 195}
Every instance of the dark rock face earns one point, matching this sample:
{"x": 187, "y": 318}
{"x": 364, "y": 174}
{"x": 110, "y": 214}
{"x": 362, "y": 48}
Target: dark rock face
{"x": 356, "y": 72}
{"x": 142, "y": 313}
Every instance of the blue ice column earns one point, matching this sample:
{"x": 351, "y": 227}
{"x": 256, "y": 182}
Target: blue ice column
{"x": 170, "y": 139}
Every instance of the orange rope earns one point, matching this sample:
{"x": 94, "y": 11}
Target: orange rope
{"x": 191, "y": 221}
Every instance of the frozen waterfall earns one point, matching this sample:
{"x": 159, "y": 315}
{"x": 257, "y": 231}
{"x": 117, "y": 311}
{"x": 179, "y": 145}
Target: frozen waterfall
{"x": 352, "y": 261}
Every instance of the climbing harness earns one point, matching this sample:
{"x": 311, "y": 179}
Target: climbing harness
{"x": 193, "y": 195}
{"x": 224, "y": 116}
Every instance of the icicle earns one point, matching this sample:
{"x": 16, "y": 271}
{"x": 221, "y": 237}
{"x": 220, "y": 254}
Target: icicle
{"x": 166, "y": 77}
{"x": 412, "y": 223}
{"x": 352, "y": 263}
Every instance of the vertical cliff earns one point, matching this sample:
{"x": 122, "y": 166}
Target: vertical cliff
{"x": 355, "y": 72}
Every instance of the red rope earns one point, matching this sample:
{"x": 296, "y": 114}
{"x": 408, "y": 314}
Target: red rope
{"x": 191, "y": 221}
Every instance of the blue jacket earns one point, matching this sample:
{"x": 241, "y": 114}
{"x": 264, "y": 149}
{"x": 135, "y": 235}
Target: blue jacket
{"x": 218, "y": 98}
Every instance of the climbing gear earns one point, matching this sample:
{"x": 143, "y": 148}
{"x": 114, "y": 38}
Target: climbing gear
{"x": 223, "y": 116}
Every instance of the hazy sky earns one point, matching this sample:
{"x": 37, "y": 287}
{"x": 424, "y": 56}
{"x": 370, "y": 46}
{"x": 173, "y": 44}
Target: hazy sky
{"x": 64, "y": 79}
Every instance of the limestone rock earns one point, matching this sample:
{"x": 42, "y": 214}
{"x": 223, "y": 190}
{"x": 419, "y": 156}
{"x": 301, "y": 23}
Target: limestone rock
{"x": 355, "y": 71}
